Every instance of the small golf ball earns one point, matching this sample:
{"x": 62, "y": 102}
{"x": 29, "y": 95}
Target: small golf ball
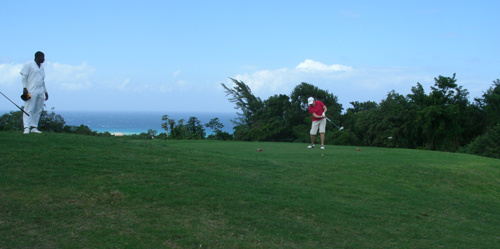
{"x": 321, "y": 154}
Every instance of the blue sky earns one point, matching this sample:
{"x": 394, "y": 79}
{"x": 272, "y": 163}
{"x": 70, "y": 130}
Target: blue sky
{"x": 173, "y": 55}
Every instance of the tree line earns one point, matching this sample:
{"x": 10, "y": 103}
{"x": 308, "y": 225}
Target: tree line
{"x": 52, "y": 122}
{"x": 49, "y": 122}
{"x": 443, "y": 120}
{"x": 192, "y": 129}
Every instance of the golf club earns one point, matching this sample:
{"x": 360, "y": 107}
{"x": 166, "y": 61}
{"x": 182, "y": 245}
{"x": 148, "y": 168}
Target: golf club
{"x": 15, "y": 104}
{"x": 340, "y": 128}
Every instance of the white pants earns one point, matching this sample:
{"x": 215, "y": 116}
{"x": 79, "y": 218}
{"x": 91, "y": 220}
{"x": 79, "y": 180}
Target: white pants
{"x": 321, "y": 124}
{"x": 33, "y": 107}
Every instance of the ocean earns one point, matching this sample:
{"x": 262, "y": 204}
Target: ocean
{"x": 139, "y": 122}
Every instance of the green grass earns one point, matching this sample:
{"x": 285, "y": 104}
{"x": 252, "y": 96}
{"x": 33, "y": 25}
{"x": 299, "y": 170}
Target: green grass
{"x": 71, "y": 191}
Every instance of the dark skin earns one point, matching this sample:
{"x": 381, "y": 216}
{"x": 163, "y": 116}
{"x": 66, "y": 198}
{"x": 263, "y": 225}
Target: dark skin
{"x": 39, "y": 60}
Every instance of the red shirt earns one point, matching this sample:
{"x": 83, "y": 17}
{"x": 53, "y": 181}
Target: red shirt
{"x": 318, "y": 109}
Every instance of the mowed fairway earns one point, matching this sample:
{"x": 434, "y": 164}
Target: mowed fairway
{"x": 63, "y": 190}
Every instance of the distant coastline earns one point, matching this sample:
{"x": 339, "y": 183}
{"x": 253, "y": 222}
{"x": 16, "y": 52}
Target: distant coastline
{"x": 135, "y": 122}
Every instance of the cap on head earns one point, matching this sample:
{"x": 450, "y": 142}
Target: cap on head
{"x": 310, "y": 100}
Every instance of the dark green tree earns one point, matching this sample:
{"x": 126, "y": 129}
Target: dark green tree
{"x": 152, "y": 133}
{"x": 195, "y": 128}
{"x": 165, "y": 124}
{"x": 50, "y": 121}
{"x": 418, "y": 100}
{"x": 215, "y": 125}
{"x": 80, "y": 130}
{"x": 356, "y": 125}
{"x": 12, "y": 121}
{"x": 363, "y": 106}
{"x": 487, "y": 145}
{"x": 171, "y": 124}
{"x": 272, "y": 123}
{"x": 490, "y": 103}
{"x": 441, "y": 116}
{"x": 251, "y": 108}
{"x": 390, "y": 123}
{"x": 181, "y": 130}
{"x": 245, "y": 101}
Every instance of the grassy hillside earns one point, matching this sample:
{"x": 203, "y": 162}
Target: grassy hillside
{"x": 62, "y": 190}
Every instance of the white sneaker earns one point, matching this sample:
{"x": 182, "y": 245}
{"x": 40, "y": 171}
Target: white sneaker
{"x": 35, "y": 130}
{"x": 322, "y": 147}
{"x": 27, "y": 130}
{"x": 310, "y": 146}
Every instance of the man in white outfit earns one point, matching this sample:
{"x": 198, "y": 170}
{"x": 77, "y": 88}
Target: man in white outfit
{"x": 34, "y": 85}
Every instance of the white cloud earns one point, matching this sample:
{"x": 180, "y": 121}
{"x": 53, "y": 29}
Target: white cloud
{"x": 67, "y": 76}
{"x": 62, "y": 76}
{"x": 346, "y": 82}
{"x": 284, "y": 79}
{"x": 9, "y": 74}
{"x": 310, "y": 65}
{"x": 56, "y": 74}
{"x": 267, "y": 80}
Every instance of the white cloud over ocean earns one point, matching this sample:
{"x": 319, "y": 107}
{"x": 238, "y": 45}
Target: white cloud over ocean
{"x": 9, "y": 73}
{"x": 68, "y": 76}
{"x": 65, "y": 76}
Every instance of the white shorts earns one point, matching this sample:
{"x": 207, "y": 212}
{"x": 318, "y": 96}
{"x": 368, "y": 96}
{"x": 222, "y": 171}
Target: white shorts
{"x": 321, "y": 124}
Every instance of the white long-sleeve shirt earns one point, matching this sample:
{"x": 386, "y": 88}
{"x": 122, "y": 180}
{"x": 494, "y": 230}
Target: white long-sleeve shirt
{"x": 33, "y": 78}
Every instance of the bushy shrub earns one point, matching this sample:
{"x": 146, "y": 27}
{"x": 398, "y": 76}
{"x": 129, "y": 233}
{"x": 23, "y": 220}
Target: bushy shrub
{"x": 346, "y": 137}
{"x": 162, "y": 136}
{"x": 81, "y": 130}
{"x": 51, "y": 122}
{"x": 302, "y": 133}
{"x": 12, "y": 121}
{"x": 220, "y": 135}
{"x": 103, "y": 134}
{"x": 487, "y": 145}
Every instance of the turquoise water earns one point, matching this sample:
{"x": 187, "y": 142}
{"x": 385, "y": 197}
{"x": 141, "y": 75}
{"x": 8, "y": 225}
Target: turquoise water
{"x": 138, "y": 122}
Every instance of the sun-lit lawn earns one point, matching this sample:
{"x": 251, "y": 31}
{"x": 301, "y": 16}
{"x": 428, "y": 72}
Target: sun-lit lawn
{"x": 62, "y": 190}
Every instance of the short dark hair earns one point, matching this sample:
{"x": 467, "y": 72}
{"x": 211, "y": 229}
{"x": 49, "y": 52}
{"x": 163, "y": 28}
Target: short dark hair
{"x": 39, "y": 54}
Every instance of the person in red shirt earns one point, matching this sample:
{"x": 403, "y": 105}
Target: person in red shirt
{"x": 317, "y": 110}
